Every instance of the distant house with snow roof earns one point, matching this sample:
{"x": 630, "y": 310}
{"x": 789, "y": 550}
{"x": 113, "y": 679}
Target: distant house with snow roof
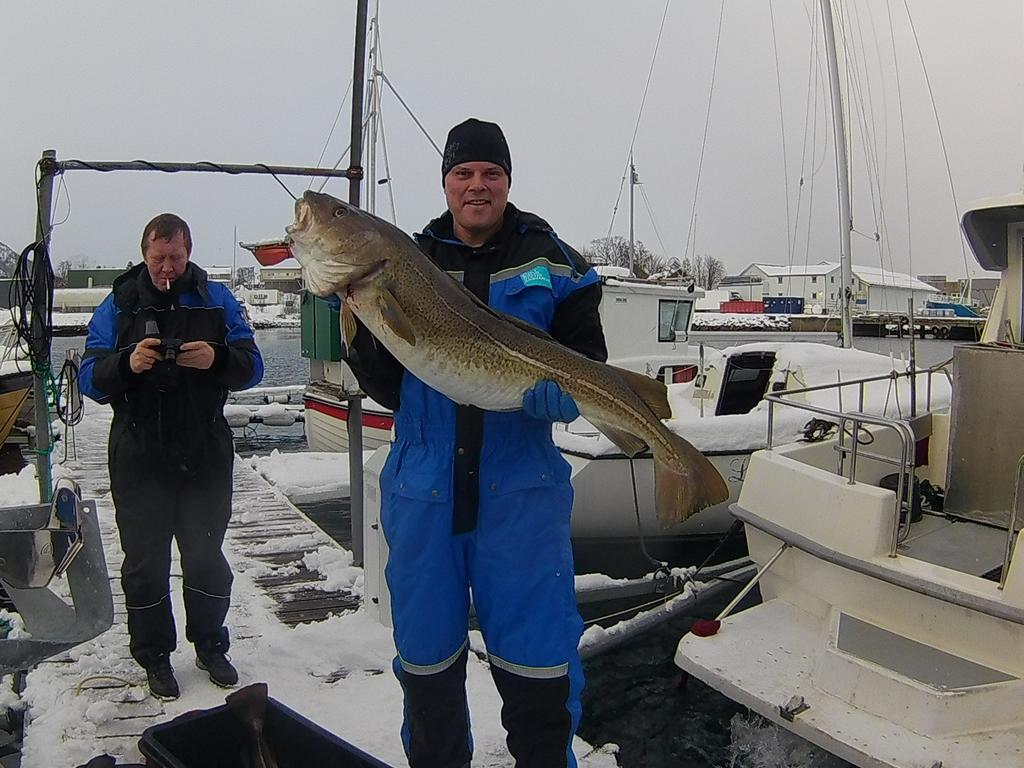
{"x": 819, "y": 285}
{"x": 218, "y": 275}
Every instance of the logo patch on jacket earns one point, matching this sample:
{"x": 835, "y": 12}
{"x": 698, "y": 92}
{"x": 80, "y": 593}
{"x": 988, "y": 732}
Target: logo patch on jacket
{"x": 537, "y": 276}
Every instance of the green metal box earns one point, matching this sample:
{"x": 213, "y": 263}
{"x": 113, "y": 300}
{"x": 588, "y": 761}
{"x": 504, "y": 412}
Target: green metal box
{"x": 321, "y": 329}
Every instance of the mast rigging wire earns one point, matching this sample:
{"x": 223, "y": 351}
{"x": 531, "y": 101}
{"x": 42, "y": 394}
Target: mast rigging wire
{"x": 938, "y": 126}
{"x": 639, "y": 115}
{"x": 782, "y": 131}
{"x": 704, "y": 140}
{"x": 330, "y": 135}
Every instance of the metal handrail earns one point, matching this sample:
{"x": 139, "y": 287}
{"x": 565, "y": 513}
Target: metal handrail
{"x": 1013, "y": 524}
{"x": 891, "y": 376}
{"x": 858, "y": 418}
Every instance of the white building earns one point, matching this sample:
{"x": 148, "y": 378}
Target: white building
{"x": 286, "y": 279}
{"x": 819, "y": 285}
{"x": 218, "y": 275}
{"x": 742, "y": 287}
{"x": 78, "y": 299}
{"x": 259, "y": 297}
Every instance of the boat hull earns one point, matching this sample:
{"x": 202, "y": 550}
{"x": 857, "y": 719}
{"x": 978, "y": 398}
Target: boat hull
{"x": 15, "y": 391}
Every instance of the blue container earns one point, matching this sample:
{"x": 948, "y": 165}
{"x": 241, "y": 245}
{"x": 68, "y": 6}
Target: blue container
{"x": 214, "y": 738}
{"x": 783, "y": 305}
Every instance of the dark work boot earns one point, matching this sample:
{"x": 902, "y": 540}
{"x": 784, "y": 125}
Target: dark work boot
{"x": 219, "y": 667}
{"x": 160, "y": 676}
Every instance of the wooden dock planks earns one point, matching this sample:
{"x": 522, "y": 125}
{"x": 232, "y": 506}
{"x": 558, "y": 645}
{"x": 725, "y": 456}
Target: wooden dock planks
{"x": 267, "y": 535}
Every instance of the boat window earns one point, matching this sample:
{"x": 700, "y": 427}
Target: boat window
{"x": 745, "y": 381}
{"x": 673, "y": 319}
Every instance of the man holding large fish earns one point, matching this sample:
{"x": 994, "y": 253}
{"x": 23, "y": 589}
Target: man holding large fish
{"x": 475, "y": 496}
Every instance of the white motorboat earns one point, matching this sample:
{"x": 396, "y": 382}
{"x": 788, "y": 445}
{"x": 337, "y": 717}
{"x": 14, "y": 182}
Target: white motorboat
{"x": 723, "y": 413}
{"x": 885, "y": 640}
{"x": 646, "y": 324}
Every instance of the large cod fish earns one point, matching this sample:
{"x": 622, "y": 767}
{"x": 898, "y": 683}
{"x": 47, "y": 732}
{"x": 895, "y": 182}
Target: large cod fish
{"x": 462, "y": 348}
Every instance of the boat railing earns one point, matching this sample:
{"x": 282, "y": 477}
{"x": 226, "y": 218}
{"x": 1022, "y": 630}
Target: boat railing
{"x": 851, "y": 423}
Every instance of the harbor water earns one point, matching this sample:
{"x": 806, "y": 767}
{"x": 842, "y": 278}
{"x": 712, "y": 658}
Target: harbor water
{"x": 635, "y": 696}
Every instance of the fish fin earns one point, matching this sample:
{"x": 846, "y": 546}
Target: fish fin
{"x": 395, "y": 318}
{"x": 627, "y": 443}
{"x": 684, "y": 490}
{"x": 652, "y": 391}
{"x": 348, "y": 324}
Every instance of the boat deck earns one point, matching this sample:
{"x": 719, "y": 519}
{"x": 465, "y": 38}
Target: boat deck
{"x": 957, "y": 544}
{"x": 765, "y": 656}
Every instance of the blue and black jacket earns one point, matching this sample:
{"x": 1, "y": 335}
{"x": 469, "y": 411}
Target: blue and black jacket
{"x": 170, "y": 408}
{"x": 525, "y": 270}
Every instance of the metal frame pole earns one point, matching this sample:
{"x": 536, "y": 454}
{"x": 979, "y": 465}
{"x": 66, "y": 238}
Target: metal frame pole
{"x": 41, "y": 352}
{"x": 355, "y": 406}
{"x": 50, "y": 165}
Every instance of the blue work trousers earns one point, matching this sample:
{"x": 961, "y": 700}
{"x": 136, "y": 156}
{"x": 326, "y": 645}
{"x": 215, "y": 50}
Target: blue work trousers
{"x": 517, "y": 566}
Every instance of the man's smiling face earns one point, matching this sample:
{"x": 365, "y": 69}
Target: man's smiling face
{"x": 477, "y": 193}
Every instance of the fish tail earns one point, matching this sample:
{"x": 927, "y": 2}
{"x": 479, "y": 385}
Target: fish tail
{"x": 686, "y": 485}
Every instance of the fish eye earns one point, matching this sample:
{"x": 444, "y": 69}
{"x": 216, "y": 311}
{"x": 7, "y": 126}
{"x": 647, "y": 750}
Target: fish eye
{"x": 339, "y": 211}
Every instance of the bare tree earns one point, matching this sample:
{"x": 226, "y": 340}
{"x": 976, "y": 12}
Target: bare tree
{"x": 8, "y": 260}
{"x": 60, "y": 274}
{"x": 706, "y": 270}
{"x": 245, "y": 276}
{"x": 614, "y": 250}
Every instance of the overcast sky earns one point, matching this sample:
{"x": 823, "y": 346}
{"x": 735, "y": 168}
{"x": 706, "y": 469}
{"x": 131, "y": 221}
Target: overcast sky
{"x": 262, "y": 81}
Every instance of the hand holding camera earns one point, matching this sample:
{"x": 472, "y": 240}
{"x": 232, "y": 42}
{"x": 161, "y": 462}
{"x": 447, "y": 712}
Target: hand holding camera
{"x": 145, "y": 355}
{"x": 195, "y": 354}
{"x": 188, "y": 354}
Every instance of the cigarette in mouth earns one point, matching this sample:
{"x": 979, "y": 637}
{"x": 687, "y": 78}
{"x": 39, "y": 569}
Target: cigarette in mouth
{"x": 167, "y": 284}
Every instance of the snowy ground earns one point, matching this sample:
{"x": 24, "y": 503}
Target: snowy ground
{"x": 335, "y": 672}
{"x": 726, "y": 321}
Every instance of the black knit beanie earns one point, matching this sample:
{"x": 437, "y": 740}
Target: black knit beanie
{"x": 476, "y": 141}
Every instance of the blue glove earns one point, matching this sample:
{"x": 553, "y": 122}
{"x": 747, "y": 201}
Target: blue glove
{"x": 547, "y": 401}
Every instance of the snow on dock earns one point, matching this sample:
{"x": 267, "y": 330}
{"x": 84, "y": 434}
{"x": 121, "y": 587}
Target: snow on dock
{"x": 295, "y": 623}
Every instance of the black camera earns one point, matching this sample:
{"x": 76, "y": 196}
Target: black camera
{"x": 169, "y": 348}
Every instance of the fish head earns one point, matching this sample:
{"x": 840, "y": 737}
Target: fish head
{"x": 336, "y": 243}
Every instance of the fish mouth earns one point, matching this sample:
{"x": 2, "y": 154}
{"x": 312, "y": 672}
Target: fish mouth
{"x": 303, "y": 219}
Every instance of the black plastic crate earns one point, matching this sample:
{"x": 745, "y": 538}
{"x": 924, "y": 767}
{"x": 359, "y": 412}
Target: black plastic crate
{"x": 214, "y": 738}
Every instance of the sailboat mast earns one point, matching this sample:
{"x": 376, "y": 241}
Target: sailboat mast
{"x": 374, "y": 114}
{"x": 632, "y": 183}
{"x": 842, "y": 177}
